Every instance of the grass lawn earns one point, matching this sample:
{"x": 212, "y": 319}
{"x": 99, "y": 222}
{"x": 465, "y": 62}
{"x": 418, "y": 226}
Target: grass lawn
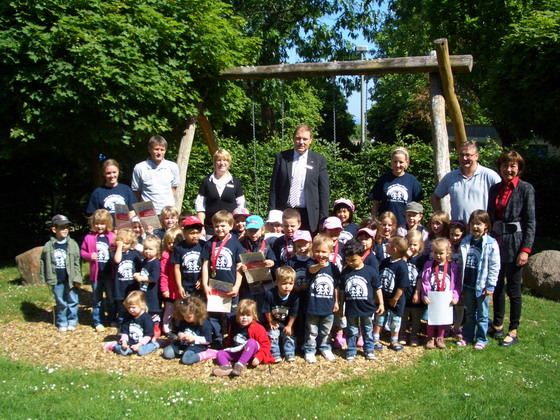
{"x": 519, "y": 382}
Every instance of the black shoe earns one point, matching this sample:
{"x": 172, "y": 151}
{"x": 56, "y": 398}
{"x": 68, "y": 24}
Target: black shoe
{"x": 498, "y": 334}
{"x": 513, "y": 341}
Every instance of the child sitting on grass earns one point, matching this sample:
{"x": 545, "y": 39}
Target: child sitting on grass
{"x": 61, "y": 270}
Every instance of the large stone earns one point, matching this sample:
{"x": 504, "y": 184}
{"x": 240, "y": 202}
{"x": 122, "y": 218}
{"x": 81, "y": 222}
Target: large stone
{"x": 542, "y": 274}
{"x": 28, "y": 265}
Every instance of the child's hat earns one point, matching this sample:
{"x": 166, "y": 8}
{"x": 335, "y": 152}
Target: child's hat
{"x": 192, "y": 221}
{"x": 345, "y": 202}
{"x": 60, "y": 220}
{"x": 274, "y": 216}
{"x": 367, "y": 231}
{"x": 414, "y": 207}
{"x": 302, "y": 235}
{"x": 240, "y": 211}
{"x": 332, "y": 223}
{"x": 254, "y": 222}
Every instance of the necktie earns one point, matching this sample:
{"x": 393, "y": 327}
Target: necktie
{"x": 295, "y": 187}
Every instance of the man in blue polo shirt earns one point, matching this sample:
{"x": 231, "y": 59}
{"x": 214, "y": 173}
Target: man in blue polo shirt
{"x": 467, "y": 186}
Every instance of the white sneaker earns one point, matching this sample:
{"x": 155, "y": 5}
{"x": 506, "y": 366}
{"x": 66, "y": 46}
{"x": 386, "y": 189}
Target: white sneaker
{"x": 327, "y": 354}
{"x": 310, "y": 358}
{"x": 62, "y": 329}
{"x": 99, "y": 328}
{"x": 71, "y": 327}
{"x": 371, "y": 356}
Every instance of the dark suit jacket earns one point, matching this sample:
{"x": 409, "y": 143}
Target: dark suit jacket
{"x": 316, "y": 186}
{"x": 519, "y": 208}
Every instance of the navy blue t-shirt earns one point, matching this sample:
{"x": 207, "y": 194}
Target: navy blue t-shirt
{"x": 359, "y": 291}
{"x": 337, "y": 257}
{"x": 279, "y": 247}
{"x": 103, "y": 257}
{"x": 227, "y": 260}
{"x": 371, "y": 260}
{"x": 415, "y": 266}
{"x": 131, "y": 263}
{"x": 59, "y": 256}
{"x": 300, "y": 266}
{"x": 136, "y": 328}
{"x": 474, "y": 255}
{"x": 321, "y": 292}
{"x": 280, "y": 308}
{"x": 189, "y": 257}
{"x": 106, "y": 197}
{"x": 394, "y": 275}
{"x": 348, "y": 232}
{"x": 380, "y": 250}
{"x": 151, "y": 269}
{"x": 395, "y": 192}
{"x": 202, "y": 331}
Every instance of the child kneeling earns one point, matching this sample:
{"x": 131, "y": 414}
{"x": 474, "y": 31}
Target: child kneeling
{"x": 247, "y": 342}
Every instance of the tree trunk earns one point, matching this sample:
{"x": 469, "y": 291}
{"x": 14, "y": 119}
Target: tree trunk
{"x": 183, "y": 161}
{"x": 440, "y": 140}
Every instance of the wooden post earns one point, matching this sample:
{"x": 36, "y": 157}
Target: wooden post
{"x": 444, "y": 64}
{"x": 183, "y": 161}
{"x": 440, "y": 140}
{"x": 208, "y": 133}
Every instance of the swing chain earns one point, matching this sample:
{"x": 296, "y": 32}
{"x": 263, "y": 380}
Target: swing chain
{"x": 254, "y": 149}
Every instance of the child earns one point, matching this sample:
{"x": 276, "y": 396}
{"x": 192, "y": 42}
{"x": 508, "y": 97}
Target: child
{"x": 194, "y": 332}
{"x": 240, "y": 216}
{"x": 414, "y": 308}
{"x": 186, "y": 258}
{"x": 148, "y": 279}
{"x": 247, "y": 342}
{"x": 480, "y": 265}
{"x": 369, "y": 222}
{"x": 366, "y": 236}
{"x": 433, "y": 281}
{"x": 457, "y": 231}
{"x": 344, "y": 210}
{"x": 439, "y": 228}
{"x": 413, "y": 213}
{"x": 138, "y": 230}
{"x": 300, "y": 263}
{"x": 360, "y": 287}
{"x": 169, "y": 217}
{"x": 386, "y": 228}
{"x": 135, "y": 335}
{"x": 127, "y": 262}
{"x": 280, "y": 309}
{"x": 283, "y": 246}
{"x": 220, "y": 261}
{"x": 167, "y": 280}
{"x": 333, "y": 228}
{"x": 273, "y": 226}
{"x": 394, "y": 279}
{"x": 322, "y": 300}
{"x": 61, "y": 269}
{"x": 96, "y": 250}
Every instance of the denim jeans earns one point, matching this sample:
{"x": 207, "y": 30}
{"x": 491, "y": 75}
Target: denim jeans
{"x": 98, "y": 313}
{"x": 389, "y": 320}
{"x": 476, "y": 316}
{"x": 142, "y": 351}
{"x": 66, "y": 299}
{"x": 354, "y": 329}
{"x": 318, "y": 326}
{"x": 288, "y": 341}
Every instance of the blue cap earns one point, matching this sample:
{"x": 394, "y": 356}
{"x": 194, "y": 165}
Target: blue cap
{"x": 254, "y": 222}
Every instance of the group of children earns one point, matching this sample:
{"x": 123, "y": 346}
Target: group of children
{"x": 341, "y": 287}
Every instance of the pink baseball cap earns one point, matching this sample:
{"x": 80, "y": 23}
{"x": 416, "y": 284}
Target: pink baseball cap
{"x": 369, "y": 231}
{"x": 332, "y": 223}
{"x": 192, "y": 221}
{"x": 240, "y": 211}
{"x": 346, "y": 202}
{"x": 302, "y": 235}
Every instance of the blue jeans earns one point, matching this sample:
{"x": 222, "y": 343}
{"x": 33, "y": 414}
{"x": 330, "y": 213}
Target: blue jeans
{"x": 143, "y": 350}
{"x": 476, "y": 316}
{"x": 389, "y": 320}
{"x": 66, "y": 299}
{"x": 188, "y": 355}
{"x": 353, "y": 330}
{"x": 289, "y": 342}
{"x": 98, "y": 313}
{"x": 317, "y": 326}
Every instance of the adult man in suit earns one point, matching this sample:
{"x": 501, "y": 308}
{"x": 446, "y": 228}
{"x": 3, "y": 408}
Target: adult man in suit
{"x": 300, "y": 180}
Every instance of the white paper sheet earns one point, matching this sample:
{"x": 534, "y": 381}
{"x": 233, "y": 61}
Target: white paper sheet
{"x": 440, "y": 311}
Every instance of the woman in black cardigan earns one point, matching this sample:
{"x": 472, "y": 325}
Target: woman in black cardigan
{"x": 511, "y": 205}
{"x": 218, "y": 191}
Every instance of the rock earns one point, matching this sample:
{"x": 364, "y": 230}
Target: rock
{"x": 28, "y": 265}
{"x": 542, "y": 274}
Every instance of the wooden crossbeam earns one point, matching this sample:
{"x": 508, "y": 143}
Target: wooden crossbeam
{"x": 459, "y": 64}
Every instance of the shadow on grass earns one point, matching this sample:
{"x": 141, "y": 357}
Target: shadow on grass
{"x": 33, "y": 313}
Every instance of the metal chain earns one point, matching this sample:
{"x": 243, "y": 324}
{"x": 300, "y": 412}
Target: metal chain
{"x": 334, "y": 129}
{"x": 254, "y": 149}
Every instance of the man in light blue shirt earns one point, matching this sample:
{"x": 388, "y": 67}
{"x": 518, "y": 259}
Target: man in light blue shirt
{"x": 467, "y": 186}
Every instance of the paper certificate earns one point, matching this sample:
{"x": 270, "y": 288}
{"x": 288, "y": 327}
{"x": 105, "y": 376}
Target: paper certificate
{"x": 147, "y": 214}
{"x": 440, "y": 311}
{"x": 218, "y": 301}
{"x": 122, "y": 220}
{"x": 259, "y": 277}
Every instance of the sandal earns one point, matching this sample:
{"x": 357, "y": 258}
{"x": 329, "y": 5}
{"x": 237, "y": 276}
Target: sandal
{"x": 496, "y": 333}
{"x": 479, "y": 346}
{"x": 462, "y": 343}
